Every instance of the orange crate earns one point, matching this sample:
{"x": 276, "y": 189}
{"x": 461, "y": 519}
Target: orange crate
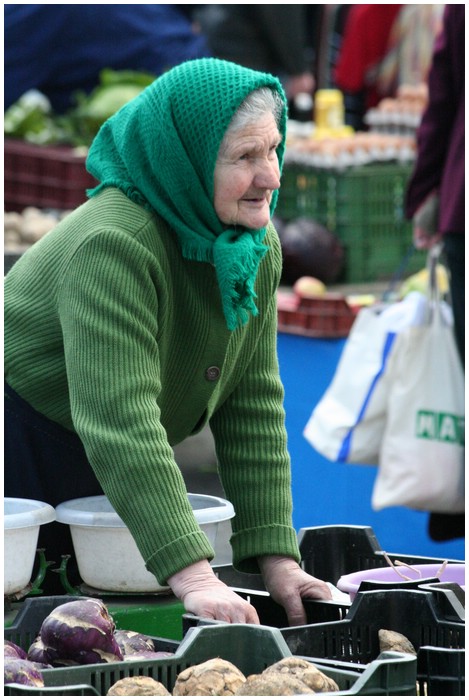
{"x": 47, "y": 177}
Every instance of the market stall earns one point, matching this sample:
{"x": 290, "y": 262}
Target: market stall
{"x": 354, "y": 185}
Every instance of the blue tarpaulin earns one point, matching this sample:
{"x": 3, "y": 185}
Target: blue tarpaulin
{"x": 326, "y": 493}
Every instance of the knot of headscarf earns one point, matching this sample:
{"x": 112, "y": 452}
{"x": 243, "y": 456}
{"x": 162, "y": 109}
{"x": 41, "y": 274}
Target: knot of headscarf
{"x": 161, "y": 149}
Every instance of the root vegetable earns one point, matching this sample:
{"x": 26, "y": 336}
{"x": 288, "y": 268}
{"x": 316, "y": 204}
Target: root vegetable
{"x": 212, "y": 677}
{"x": 80, "y": 632}
{"x": 34, "y": 228}
{"x": 12, "y": 650}
{"x": 394, "y": 641}
{"x": 22, "y": 671}
{"x": 130, "y": 642}
{"x": 137, "y": 685}
{"x": 12, "y": 220}
{"x": 146, "y": 655}
{"x": 274, "y": 683}
{"x": 37, "y": 652}
{"x": 306, "y": 672}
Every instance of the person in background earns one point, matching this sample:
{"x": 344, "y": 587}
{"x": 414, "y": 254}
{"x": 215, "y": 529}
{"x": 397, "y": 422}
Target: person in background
{"x": 437, "y": 185}
{"x": 150, "y": 312}
{"x": 410, "y": 48}
{"x": 384, "y": 47}
{"x": 61, "y": 49}
{"x": 271, "y": 38}
{"x": 362, "y": 48}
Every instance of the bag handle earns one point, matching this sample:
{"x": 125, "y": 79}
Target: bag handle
{"x": 433, "y": 290}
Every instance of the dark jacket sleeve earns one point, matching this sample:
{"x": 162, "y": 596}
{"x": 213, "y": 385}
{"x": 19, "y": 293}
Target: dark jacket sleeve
{"x": 440, "y": 138}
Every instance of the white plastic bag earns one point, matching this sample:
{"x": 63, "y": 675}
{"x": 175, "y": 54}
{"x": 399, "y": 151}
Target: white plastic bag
{"x": 421, "y": 463}
{"x": 347, "y": 425}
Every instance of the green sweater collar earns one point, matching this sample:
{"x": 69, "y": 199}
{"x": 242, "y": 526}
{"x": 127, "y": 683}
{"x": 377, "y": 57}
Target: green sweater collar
{"x": 161, "y": 148}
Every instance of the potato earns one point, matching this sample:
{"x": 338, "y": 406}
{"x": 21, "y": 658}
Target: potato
{"x": 212, "y": 677}
{"x": 274, "y": 683}
{"x": 394, "y": 641}
{"x": 137, "y": 685}
{"x": 35, "y": 227}
{"x": 12, "y": 220}
{"x": 304, "y": 671}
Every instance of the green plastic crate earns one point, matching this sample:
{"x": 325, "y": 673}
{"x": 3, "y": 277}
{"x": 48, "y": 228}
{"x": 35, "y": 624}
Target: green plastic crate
{"x": 250, "y": 647}
{"x": 364, "y": 207}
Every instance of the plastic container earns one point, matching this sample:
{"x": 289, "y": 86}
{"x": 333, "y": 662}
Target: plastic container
{"x": 427, "y": 620}
{"x": 272, "y": 614}
{"x": 331, "y": 551}
{"x": 350, "y": 583}
{"x": 48, "y": 177}
{"x": 106, "y": 553}
{"x": 22, "y": 521}
{"x": 324, "y": 316}
{"x": 329, "y": 111}
{"x": 363, "y": 206}
{"x": 249, "y": 647}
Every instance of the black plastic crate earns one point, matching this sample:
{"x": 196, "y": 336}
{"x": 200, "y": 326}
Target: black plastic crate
{"x": 426, "y": 619}
{"x": 272, "y": 614}
{"x": 328, "y": 552}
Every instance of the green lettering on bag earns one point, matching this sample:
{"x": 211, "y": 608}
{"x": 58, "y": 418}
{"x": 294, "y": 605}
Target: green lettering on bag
{"x": 444, "y": 427}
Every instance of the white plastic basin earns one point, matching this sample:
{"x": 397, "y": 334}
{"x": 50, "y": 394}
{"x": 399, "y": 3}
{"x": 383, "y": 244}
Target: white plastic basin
{"x": 108, "y": 558}
{"x": 22, "y": 520}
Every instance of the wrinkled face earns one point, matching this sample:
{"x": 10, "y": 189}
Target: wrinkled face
{"x": 246, "y": 174}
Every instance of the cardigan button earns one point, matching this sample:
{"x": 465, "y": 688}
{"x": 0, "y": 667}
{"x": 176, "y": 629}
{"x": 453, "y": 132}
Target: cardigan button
{"x": 212, "y": 374}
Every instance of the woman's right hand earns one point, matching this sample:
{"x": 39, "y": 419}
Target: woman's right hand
{"x": 204, "y": 595}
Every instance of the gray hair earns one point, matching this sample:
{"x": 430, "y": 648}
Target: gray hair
{"x": 255, "y": 105}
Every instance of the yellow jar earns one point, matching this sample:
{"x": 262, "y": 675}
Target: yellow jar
{"x": 329, "y": 109}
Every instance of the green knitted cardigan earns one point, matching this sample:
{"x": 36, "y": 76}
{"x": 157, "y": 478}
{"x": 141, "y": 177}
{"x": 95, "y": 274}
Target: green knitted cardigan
{"x": 160, "y": 150}
{"x": 109, "y": 331}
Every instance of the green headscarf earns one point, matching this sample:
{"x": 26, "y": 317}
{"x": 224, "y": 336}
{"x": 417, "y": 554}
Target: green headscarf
{"x": 161, "y": 148}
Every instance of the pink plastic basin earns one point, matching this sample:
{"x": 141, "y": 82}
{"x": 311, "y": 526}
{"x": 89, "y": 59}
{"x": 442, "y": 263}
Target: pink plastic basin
{"x": 350, "y": 583}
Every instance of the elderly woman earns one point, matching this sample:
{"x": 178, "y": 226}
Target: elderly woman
{"x": 149, "y": 312}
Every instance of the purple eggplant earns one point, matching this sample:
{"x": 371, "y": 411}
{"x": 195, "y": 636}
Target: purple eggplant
{"x": 80, "y": 632}
{"x": 12, "y": 650}
{"x": 22, "y": 671}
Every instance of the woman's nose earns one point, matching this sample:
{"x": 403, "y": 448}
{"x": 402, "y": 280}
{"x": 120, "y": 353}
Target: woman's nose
{"x": 268, "y": 175}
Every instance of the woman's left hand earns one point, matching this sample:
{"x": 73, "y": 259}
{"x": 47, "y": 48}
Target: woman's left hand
{"x": 288, "y": 584}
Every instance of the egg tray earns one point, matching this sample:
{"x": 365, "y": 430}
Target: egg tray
{"x": 249, "y": 647}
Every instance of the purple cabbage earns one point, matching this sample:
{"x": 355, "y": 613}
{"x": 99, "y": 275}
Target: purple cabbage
{"x": 132, "y": 642}
{"x": 12, "y": 650}
{"x": 23, "y": 671}
{"x": 80, "y": 632}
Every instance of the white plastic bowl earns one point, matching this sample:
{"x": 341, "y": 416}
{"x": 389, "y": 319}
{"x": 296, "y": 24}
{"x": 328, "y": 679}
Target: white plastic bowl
{"x": 22, "y": 520}
{"x": 107, "y": 556}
